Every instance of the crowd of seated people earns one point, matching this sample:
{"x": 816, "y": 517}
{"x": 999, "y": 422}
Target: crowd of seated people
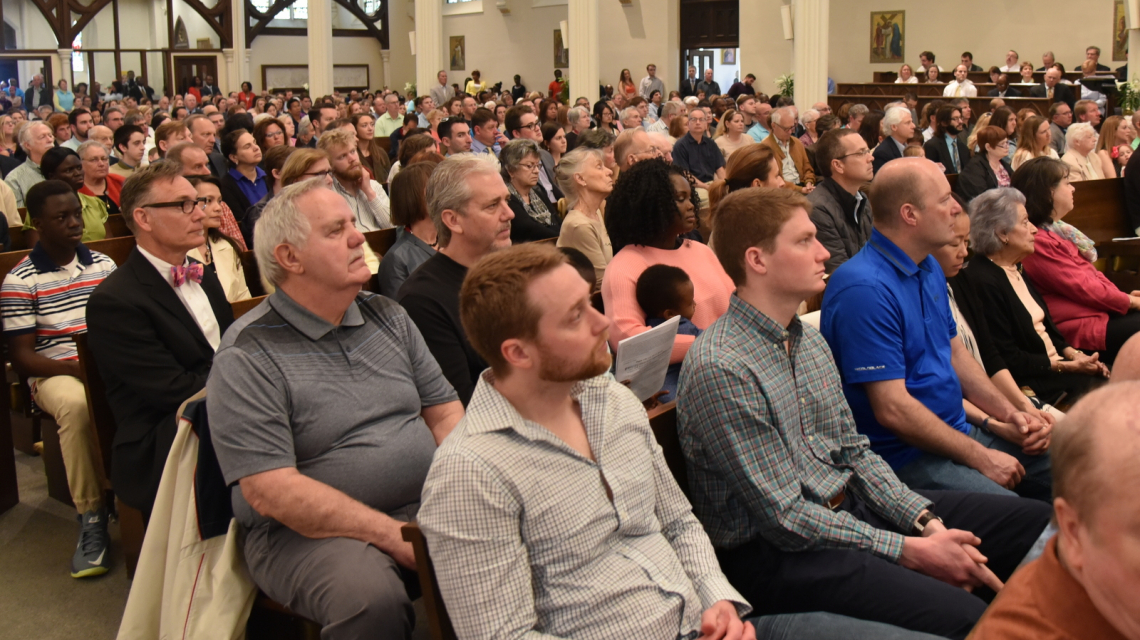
{"x": 880, "y": 476}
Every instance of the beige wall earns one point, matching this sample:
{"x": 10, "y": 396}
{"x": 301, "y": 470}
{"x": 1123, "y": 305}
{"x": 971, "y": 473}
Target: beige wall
{"x": 402, "y": 63}
{"x": 988, "y": 29}
{"x": 763, "y": 50}
{"x": 501, "y": 45}
{"x": 292, "y": 50}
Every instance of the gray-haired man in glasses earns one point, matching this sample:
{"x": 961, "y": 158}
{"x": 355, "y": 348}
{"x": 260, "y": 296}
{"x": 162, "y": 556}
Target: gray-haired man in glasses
{"x": 154, "y": 325}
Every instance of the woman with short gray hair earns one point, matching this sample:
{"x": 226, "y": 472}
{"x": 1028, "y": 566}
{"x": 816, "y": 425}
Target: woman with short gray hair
{"x": 586, "y": 181}
{"x": 534, "y": 214}
{"x": 1022, "y": 329}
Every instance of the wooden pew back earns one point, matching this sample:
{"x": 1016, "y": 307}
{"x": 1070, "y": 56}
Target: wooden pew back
{"x": 380, "y": 241}
{"x": 439, "y": 624}
{"x": 663, "y": 421}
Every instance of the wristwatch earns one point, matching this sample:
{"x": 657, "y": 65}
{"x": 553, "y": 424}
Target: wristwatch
{"x": 924, "y": 519}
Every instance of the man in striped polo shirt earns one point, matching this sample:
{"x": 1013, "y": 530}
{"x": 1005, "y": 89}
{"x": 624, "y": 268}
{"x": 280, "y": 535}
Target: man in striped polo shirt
{"x": 43, "y": 302}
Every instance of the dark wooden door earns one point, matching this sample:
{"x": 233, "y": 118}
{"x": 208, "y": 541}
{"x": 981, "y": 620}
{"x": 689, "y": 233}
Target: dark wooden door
{"x": 710, "y": 24}
{"x": 187, "y": 67}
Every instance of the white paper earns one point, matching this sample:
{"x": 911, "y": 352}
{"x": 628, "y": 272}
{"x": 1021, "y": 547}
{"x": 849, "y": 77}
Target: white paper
{"x": 643, "y": 359}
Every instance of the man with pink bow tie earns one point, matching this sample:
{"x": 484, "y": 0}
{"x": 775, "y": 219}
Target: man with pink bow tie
{"x": 154, "y": 325}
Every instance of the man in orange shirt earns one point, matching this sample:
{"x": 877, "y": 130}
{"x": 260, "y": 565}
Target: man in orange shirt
{"x": 555, "y": 86}
{"x": 1086, "y": 583}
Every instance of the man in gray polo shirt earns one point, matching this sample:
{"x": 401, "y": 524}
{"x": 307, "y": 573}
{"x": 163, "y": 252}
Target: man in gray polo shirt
{"x": 326, "y": 408}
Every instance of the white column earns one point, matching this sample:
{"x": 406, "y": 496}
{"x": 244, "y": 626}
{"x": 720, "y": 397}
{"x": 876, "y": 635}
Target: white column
{"x": 64, "y": 69}
{"x": 320, "y": 48}
{"x": 429, "y": 45}
{"x": 386, "y": 59}
{"x": 810, "y": 25}
{"x": 585, "y": 57}
{"x": 237, "y": 66}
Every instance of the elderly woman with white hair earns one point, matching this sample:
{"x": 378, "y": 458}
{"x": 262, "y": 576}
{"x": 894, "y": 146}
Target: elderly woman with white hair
{"x": 586, "y": 181}
{"x": 1020, "y": 325}
{"x": 536, "y": 218}
{"x": 808, "y": 120}
{"x": 1080, "y": 140}
{"x": 579, "y": 120}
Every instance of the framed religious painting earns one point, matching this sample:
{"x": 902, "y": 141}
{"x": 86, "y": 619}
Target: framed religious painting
{"x": 1119, "y": 33}
{"x": 561, "y": 53}
{"x": 457, "y": 51}
{"x": 888, "y": 33}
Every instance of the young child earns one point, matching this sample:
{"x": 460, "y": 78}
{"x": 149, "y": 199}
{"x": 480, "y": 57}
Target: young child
{"x": 664, "y": 291}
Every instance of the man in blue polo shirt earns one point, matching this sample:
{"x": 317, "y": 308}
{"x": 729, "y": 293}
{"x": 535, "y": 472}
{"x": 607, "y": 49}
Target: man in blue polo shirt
{"x": 697, "y": 153}
{"x": 887, "y": 318}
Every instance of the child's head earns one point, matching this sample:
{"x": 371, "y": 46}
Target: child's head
{"x": 585, "y": 268}
{"x": 664, "y": 291}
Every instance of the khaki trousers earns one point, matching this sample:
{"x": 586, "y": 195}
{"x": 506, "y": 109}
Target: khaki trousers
{"x": 65, "y": 399}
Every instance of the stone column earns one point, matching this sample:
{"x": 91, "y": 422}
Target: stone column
{"x": 64, "y": 70}
{"x": 810, "y": 25}
{"x": 237, "y": 64}
{"x": 386, "y": 59}
{"x": 585, "y": 56}
{"x": 320, "y": 40}
{"x": 430, "y": 56}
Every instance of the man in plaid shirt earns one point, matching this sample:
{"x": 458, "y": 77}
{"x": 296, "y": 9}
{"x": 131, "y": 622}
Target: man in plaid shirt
{"x": 550, "y": 511}
{"x": 803, "y": 515}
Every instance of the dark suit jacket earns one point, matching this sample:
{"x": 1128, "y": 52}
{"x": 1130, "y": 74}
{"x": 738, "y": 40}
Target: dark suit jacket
{"x": 689, "y": 87}
{"x": 8, "y": 163}
{"x": 1010, "y": 92}
{"x": 218, "y": 165}
{"x": 1061, "y": 93}
{"x": 525, "y": 228}
{"x": 937, "y": 151}
{"x": 233, "y": 196}
{"x": 884, "y": 153}
{"x": 977, "y": 176}
{"x": 152, "y": 357}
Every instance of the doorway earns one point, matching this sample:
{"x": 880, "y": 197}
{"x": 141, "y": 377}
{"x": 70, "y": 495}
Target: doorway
{"x": 188, "y": 67}
{"x": 701, "y": 59}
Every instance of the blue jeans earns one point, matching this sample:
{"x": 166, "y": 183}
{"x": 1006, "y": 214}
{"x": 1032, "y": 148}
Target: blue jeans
{"x": 828, "y": 626}
{"x": 929, "y": 471}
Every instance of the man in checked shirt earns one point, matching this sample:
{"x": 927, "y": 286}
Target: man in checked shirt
{"x": 804, "y": 516}
{"x": 550, "y": 511}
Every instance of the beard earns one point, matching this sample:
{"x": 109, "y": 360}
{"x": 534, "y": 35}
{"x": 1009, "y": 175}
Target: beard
{"x": 350, "y": 175}
{"x": 558, "y": 369}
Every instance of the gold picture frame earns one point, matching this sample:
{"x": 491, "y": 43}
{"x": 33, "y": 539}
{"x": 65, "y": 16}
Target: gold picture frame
{"x": 1119, "y": 33}
{"x": 457, "y": 52}
{"x": 888, "y": 37}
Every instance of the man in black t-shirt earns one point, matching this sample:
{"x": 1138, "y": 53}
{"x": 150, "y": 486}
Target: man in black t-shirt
{"x": 467, "y": 200}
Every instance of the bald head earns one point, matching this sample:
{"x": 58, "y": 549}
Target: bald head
{"x": 902, "y": 182}
{"x": 1095, "y": 448}
{"x": 1127, "y": 365}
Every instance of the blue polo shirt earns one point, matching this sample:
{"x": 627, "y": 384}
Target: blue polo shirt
{"x": 887, "y": 318}
{"x": 253, "y": 190}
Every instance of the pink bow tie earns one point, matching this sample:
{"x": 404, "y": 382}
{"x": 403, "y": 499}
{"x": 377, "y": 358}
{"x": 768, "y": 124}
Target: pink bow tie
{"x": 192, "y": 271}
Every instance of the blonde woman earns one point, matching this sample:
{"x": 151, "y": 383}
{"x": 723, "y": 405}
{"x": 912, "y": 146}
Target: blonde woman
{"x": 1033, "y": 141}
{"x": 434, "y": 117}
{"x": 972, "y": 140}
{"x": 1116, "y": 133}
{"x": 1084, "y": 164}
{"x": 8, "y": 135}
{"x": 730, "y": 134}
{"x": 906, "y": 75}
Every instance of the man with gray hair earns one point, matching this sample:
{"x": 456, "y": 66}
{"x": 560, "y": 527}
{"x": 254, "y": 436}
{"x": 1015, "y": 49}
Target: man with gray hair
{"x": 631, "y": 118}
{"x": 898, "y": 129}
{"x": 791, "y": 156}
{"x": 669, "y": 110}
{"x": 390, "y": 119}
{"x": 855, "y": 116}
{"x": 324, "y": 480}
{"x": 36, "y": 139}
{"x": 632, "y": 146}
{"x": 469, "y": 204}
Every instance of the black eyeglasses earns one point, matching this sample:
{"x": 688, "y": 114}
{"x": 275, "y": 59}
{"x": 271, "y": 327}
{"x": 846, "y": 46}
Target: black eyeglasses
{"x": 187, "y": 206}
{"x": 323, "y": 174}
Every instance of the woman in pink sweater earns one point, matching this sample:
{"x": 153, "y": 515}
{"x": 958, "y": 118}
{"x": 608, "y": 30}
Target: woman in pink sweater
{"x": 1090, "y": 311}
{"x": 649, "y": 210}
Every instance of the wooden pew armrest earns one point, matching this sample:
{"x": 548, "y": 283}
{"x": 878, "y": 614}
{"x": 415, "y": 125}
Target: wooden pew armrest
{"x": 1123, "y": 248}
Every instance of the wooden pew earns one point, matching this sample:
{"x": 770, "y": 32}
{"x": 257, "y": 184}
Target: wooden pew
{"x": 117, "y": 249}
{"x": 242, "y": 307}
{"x": 898, "y": 89}
{"x": 663, "y": 421}
{"x": 380, "y": 241}
{"x": 9, "y": 487}
{"x": 1098, "y": 211}
{"x": 18, "y": 238}
{"x": 977, "y": 77}
{"x": 439, "y": 624}
{"x": 978, "y": 105}
{"x": 116, "y": 227}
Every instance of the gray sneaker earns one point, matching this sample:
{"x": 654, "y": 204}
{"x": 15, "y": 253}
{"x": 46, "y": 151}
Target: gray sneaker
{"x": 90, "y": 557}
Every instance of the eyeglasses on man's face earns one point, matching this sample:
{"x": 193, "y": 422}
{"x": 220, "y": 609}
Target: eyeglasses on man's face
{"x": 187, "y": 206}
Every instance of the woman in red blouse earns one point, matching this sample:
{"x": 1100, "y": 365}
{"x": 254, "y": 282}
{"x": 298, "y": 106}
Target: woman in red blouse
{"x": 1091, "y": 312}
